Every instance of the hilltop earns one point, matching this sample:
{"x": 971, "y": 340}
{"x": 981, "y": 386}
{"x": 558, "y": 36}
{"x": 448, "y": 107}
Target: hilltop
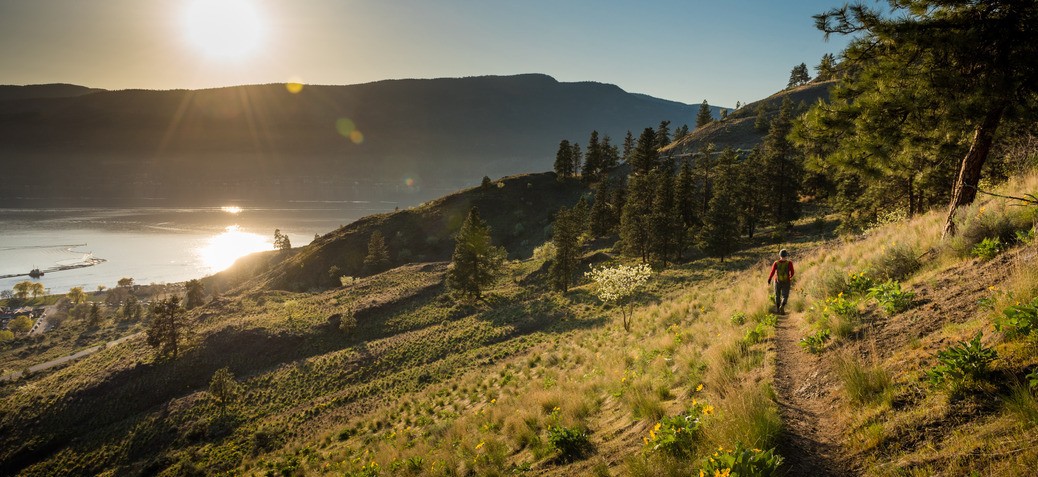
{"x": 399, "y": 140}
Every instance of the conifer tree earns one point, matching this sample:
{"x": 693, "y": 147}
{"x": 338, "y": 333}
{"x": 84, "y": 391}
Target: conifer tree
{"x": 663, "y": 134}
{"x": 681, "y": 132}
{"x": 628, "y": 146}
{"x": 578, "y": 158}
{"x": 798, "y": 76}
{"x": 634, "y": 223}
{"x": 281, "y": 241}
{"x": 704, "y": 117}
{"x": 601, "y": 218}
{"x": 476, "y": 261}
{"x": 971, "y": 61}
{"x": 610, "y": 155}
{"x": 564, "y": 160}
{"x": 195, "y": 294}
{"x": 566, "y": 237}
{"x": 645, "y": 155}
{"x": 720, "y": 233}
{"x": 751, "y": 192}
{"x": 593, "y": 159}
{"x": 761, "y": 122}
{"x": 168, "y": 327}
{"x": 581, "y": 212}
{"x": 703, "y": 171}
{"x": 782, "y": 169}
{"x": 664, "y": 221}
{"x": 684, "y": 195}
{"x": 826, "y": 69}
{"x": 377, "y": 259}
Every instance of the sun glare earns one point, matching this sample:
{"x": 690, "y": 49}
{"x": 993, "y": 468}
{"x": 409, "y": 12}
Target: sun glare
{"x": 222, "y": 250}
{"x": 224, "y": 29}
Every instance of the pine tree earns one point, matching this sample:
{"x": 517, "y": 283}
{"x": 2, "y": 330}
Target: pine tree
{"x": 965, "y": 59}
{"x": 578, "y": 158}
{"x": 720, "y": 233}
{"x": 663, "y": 135}
{"x": 593, "y": 159}
{"x": 377, "y": 259}
{"x": 750, "y": 192}
{"x": 564, "y": 160}
{"x": 761, "y": 123}
{"x": 95, "y": 315}
{"x": 168, "y": 327}
{"x": 664, "y": 221}
{"x": 684, "y": 195}
{"x": 628, "y": 146}
{"x": 826, "y": 69}
{"x": 634, "y": 226}
{"x": 645, "y": 156}
{"x": 566, "y": 237}
{"x": 195, "y": 294}
{"x": 601, "y": 217}
{"x": 703, "y": 171}
{"x": 704, "y": 117}
{"x": 476, "y": 261}
{"x": 281, "y": 241}
{"x": 782, "y": 169}
{"x": 681, "y": 132}
{"x": 611, "y": 155}
{"x": 798, "y": 76}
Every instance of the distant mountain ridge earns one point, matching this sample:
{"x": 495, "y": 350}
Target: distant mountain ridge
{"x": 38, "y": 91}
{"x": 412, "y": 139}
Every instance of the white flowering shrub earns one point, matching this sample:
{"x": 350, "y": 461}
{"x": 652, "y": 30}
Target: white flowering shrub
{"x": 617, "y": 285}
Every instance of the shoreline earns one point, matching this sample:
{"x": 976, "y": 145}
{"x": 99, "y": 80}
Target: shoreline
{"x": 60, "y": 268}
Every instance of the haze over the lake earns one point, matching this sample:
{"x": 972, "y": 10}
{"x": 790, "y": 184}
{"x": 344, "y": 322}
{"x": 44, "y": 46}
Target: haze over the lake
{"x": 685, "y": 51}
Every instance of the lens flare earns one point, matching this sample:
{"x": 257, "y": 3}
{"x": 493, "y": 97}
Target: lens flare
{"x": 294, "y": 88}
{"x": 357, "y": 137}
{"x": 222, "y": 250}
{"x": 409, "y": 182}
{"x": 231, "y": 209}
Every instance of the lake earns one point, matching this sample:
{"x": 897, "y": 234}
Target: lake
{"x": 153, "y": 245}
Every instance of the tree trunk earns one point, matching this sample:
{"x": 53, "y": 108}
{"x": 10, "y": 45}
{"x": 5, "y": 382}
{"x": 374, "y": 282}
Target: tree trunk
{"x": 965, "y": 188}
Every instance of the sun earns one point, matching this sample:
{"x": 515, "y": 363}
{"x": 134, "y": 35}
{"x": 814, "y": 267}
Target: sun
{"x": 223, "y": 29}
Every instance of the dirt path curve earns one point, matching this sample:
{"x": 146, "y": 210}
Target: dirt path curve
{"x": 808, "y": 399}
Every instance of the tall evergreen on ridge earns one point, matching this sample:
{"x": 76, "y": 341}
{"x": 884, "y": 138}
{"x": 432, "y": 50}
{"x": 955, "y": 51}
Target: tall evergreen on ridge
{"x": 826, "y": 69}
{"x": 168, "y": 327}
{"x": 761, "y": 122}
{"x": 594, "y": 159}
{"x": 684, "y": 203}
{"x": 564, "y": 160}
{"x": 628, "y": 146}
{"x": 720, "y": 233}
{"x": 476, "y": 260}
{"x": 566, "y": 232}
{"x": 703, "y": 117}
{"x": 663, "y": 134}
{"x": 578, "y": 158}
{"x": 782, "y": 168}
{"x": 703, "y": 171}
{"x": 798, "y": 76}
{"x": 610, "y": 154}
{"x": 681, "y": 132}
{"x": 645, "y": 155}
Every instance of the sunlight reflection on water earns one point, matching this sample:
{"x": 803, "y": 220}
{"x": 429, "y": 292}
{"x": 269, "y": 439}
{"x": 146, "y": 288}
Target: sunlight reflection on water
{"x": 220, "y": 251}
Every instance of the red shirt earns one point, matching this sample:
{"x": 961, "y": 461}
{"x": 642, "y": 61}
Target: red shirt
{"x": 774, "y": 267}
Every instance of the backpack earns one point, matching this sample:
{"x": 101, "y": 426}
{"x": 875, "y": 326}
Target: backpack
{"x": 782, "y": 270}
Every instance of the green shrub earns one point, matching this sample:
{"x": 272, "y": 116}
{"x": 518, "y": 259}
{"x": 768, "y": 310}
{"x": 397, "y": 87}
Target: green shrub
{"x": 897, "y": 262}
{"x": 859, "y": 283}
{"x": 571, "y": 443}
{"x": 815, "y": 343}
{"x": 1019, "y": 320}
{"x": 985, "y": 224}
{"x": 742, "y": 462}
{"x": 965, "y": 362}
{"x": 987, "y": 248}
{"x": 738, "y": 319}
{"x": 756, "y": 334}
{"x": 677, "y": 435}
{"x": 891, "y": 297}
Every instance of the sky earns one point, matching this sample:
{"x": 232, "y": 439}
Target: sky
{"x": 721, "y": 51}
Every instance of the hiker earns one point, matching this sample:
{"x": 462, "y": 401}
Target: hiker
{"x": 782, "y": 272}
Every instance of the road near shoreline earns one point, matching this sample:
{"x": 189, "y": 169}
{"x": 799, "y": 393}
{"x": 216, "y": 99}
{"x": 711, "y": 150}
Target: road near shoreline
{"x": 14, "y": 375}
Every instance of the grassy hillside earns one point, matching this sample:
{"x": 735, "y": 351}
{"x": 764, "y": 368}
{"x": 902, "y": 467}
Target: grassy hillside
{"x": 390, "y": 375}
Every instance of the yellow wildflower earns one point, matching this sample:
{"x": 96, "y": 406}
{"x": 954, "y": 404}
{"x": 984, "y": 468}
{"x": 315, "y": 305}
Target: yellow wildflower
{"x": 707, "y": 410}
{"x": 699, "y": 388}
{"x": 480, "y": 445}
{"x": 658, "y": 426}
